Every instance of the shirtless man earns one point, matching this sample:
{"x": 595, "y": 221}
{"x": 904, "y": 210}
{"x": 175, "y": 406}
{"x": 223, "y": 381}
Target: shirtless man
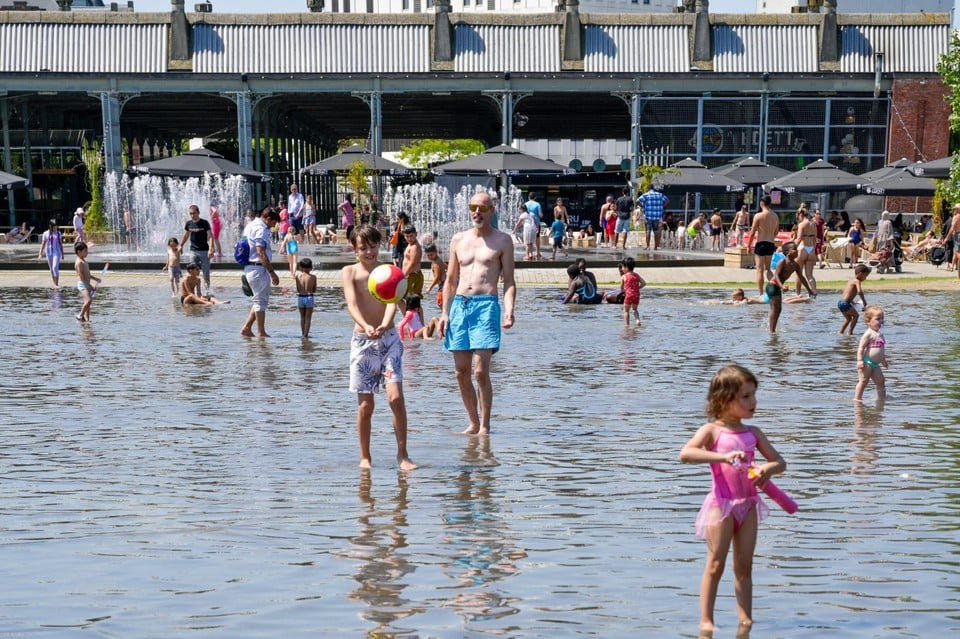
{"x": 470, "y": 324}
{"x": 807, "y": 247}
{"x": 740, "y": 224}
{"x": 560, "y": 212}
{"x": 953, "y": 235}
{"x": 765, "y": 227}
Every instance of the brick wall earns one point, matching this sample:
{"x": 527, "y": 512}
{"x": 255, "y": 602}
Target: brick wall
{"x": 918, "y": 123}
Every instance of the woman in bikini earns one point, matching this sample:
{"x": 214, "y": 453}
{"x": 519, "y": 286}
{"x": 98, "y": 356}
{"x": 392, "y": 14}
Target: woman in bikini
{"x": 807, "y": 245}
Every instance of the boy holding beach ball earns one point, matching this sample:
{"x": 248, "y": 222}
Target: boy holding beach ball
{"x": 376, "y": 352}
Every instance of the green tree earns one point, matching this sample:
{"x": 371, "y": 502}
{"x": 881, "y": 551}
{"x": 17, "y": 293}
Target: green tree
{"x": 646, "y": 173}
{"x": 425, "y": 153}
{"x": 949, "y": 70}
{"x": 96, "y": 221}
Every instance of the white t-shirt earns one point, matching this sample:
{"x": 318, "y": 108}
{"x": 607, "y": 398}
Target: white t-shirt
{"x": 258, "y": 234}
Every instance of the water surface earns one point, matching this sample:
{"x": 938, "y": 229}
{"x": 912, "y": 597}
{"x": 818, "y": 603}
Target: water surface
{"x": 164, "y": 477}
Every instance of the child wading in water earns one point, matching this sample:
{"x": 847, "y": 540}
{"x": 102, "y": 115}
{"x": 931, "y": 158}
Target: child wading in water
{"x": 733, "y": 509}
{"x": 850, "y": 291}
{"x": 376, "y": 354}
{"x": 85, "y": 285}
{"x": 306, "y": 287}
{"x": 173, "y": 266}
{"x": 872, "y": 354}
{"x": 631, "y": 283}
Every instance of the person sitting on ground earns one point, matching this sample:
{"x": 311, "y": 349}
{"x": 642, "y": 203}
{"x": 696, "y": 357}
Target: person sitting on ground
{"x": 582, "y": 288}
{"x": 412, "y": 325}
{"x": 190, "y": 289}
{"x": 325, "y": 234}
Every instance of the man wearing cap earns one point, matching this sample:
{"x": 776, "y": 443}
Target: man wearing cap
{"x": 78, "y": 224}
{"x": 259, "y": 272}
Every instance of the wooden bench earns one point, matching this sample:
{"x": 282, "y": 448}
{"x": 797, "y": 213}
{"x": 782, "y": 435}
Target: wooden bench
{"x": 69, "y": 234}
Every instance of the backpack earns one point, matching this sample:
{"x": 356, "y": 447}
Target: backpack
{"x": 241, "y": 251}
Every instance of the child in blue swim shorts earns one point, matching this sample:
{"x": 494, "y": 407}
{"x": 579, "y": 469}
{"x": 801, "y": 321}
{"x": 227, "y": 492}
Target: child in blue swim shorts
{"x": 474, "y": 324}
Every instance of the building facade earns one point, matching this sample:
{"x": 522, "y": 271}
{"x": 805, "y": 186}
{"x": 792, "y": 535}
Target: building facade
{"x": 859, "y": 6}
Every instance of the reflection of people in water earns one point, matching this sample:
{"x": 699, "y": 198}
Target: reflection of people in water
{"x": 866, "y": 424}
{"x": 476, "y": 534}
{"x": 377, "y": 545}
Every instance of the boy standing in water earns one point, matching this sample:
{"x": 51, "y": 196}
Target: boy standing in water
{"x": 306, "y": 287}
{"x": 86, "y": 288}
{"x": 376, "y": 353}
{"x": 412, "y": 257}
{"x": 774, "y": 289}
{"x": 853, "y": 288}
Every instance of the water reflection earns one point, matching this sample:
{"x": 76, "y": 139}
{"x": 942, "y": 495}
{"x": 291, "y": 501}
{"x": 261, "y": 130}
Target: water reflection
{"x": 482, "y": 547}
{"x": 867, "y": 422}
{"x": 379, "y": 547}
{"x": 205, "y": 486}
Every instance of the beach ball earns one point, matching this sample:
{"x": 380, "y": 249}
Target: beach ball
{"x": 387, "y": 283}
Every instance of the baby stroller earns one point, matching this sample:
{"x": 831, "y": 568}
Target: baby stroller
{"x": 897, "y": 251}
{"x": 938, "y": 255}
{"x": 883, "y": 260}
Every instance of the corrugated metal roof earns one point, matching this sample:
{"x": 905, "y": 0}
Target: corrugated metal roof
{"x": 489, "y": 48}
{"x": 906, "y": 48}
{"x": 616, "y": 48}
{"x": 311, "y": 48}
{"x": 83, "y": 48}
{"x": 775, "y": 48}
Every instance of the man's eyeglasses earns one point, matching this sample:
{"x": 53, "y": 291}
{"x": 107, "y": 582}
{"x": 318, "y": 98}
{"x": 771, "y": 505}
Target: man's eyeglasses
{"x": 480, "y": 207}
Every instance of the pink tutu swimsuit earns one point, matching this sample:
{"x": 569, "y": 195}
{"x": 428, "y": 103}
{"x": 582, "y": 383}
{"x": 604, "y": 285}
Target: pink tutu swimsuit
{"x": 733, "y": 492}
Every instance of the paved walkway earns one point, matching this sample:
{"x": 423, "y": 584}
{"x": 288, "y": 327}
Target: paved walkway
{"x": 664, "y": 268}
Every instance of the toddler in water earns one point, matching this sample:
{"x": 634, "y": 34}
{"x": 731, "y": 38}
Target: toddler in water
{"x": 411, "y": 326}
{"x": 173, "y": 265}
{"x": 306, "y": 287}
{"x": 733, "y": 509}
{"x": 631, "y": 283}
{"x": 872, "y": 354}
{"x": 288, "y": 241}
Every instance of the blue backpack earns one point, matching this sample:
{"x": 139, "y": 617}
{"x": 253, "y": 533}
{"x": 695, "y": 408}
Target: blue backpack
{"x": 241, "y": 251}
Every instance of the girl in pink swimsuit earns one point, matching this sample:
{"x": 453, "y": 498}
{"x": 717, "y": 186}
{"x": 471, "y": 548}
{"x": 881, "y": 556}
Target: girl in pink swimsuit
{"x": 871, "y": 355}
{"x": 732, "y": 510}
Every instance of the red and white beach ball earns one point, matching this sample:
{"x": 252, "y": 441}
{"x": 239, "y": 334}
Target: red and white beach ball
{"x": 387, "y": 283}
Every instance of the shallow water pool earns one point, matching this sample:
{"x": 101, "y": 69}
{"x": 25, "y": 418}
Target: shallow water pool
{"x": 164, "y": 477}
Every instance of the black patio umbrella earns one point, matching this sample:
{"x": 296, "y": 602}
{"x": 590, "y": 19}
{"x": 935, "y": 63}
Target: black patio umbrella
{"x": 196, "y": 163}
{"x": 884, "y": 171}
{"x": 9, "y": 182}
{"x": 751, "y": 171}
{"x": 503, "y": 159}
{"x": 816, "y": 177}
{"x": 938, "y": 169}
{"x": 691, "y": 176}
{"x": 348, "y": 158}
{"x": 902, "y": 183}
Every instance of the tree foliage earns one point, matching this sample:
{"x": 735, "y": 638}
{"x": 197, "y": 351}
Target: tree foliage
{"x": 949, "y": 70}
{"x": 92, "y": 155}
{"x": 646, "y": 173}
{"x": 429, "y": 152}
